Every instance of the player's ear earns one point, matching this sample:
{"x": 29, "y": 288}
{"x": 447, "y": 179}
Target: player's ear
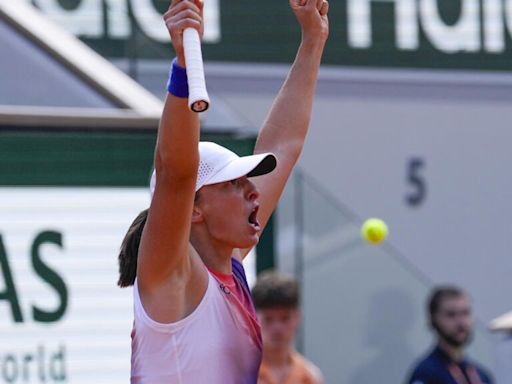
{"x": 197, "y": 214}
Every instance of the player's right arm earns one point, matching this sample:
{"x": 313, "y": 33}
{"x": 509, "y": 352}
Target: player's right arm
{"x": 164, "y": 249}
{"x": 285, "y": 128}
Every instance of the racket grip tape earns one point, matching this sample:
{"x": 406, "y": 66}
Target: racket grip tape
{"x": 198, "y": 100}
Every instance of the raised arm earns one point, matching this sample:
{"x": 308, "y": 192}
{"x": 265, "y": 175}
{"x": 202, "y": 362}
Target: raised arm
{"x": 164, "y": 244}
{"x": 286, "y": 126}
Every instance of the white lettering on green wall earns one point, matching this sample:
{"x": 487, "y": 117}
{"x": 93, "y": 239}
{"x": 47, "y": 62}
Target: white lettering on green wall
{"x": 481, "y": 26}
{"x": 91, "y": 19}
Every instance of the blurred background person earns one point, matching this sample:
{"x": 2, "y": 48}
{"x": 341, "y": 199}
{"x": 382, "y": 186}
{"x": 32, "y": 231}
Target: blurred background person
{"x": 277, "y": 301}
{"x": 451, "y": 319}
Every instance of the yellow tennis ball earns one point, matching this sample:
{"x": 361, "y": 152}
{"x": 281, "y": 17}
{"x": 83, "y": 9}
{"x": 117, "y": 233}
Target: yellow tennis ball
{"x": 374, "y": 230}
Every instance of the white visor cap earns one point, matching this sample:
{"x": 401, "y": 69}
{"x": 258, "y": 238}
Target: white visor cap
{"x": 218, "y": 164}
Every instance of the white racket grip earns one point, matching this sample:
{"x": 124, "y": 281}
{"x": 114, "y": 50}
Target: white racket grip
{"x": 198, "y": 100}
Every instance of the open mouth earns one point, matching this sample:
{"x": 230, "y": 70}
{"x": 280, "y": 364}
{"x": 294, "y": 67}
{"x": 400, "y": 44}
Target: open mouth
{"x": 253, "y": 218}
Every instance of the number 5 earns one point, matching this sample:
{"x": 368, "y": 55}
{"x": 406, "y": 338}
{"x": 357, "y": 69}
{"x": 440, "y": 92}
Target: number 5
{"x": 414, "y": 178}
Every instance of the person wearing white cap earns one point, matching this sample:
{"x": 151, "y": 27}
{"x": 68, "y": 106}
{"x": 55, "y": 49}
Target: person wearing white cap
{"x": 194, "y": 320}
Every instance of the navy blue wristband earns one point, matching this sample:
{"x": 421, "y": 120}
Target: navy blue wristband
{"x": 178, "y": 83}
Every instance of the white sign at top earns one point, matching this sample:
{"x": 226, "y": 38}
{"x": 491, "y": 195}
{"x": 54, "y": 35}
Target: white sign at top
{"x": 481, "y": 26}
{"x": 93, "y": 20}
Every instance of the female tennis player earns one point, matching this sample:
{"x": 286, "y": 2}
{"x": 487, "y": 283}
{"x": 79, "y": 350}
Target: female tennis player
{"x": 194, "y": 317}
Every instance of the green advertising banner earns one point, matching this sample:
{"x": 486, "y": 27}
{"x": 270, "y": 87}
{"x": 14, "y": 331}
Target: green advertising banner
{"x": 460, "y": 34}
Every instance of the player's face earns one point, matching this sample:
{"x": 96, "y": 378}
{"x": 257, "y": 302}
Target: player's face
{"x": 278, "y": 326}
{"x": 230, "y": 212}
{"x": 454, "y": 320}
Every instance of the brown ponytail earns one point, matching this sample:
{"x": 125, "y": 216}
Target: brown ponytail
{"x": 130, "y": 250}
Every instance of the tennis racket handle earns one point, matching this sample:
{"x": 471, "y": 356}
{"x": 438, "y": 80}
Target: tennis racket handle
{"x": 198, "y": 100}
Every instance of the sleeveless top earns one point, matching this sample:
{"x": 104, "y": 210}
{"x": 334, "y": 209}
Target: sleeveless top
{"x": 218, "y": 343}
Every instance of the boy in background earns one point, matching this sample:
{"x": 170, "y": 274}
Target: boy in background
{"x": 277, "y": 302}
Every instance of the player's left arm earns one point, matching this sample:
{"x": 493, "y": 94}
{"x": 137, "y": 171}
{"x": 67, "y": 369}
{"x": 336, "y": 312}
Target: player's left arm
{"x": 285, "y": 128}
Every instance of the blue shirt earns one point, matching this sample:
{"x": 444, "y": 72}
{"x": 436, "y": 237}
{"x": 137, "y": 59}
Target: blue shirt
{"x": 439, "y": 368}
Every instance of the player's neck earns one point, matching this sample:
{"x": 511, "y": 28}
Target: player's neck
{"x": 455, "y": 353}
{"x": 215, "y": 256}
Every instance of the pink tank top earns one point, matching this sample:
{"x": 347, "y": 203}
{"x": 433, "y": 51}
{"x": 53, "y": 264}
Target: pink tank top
{"x": 218, "y": 343}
